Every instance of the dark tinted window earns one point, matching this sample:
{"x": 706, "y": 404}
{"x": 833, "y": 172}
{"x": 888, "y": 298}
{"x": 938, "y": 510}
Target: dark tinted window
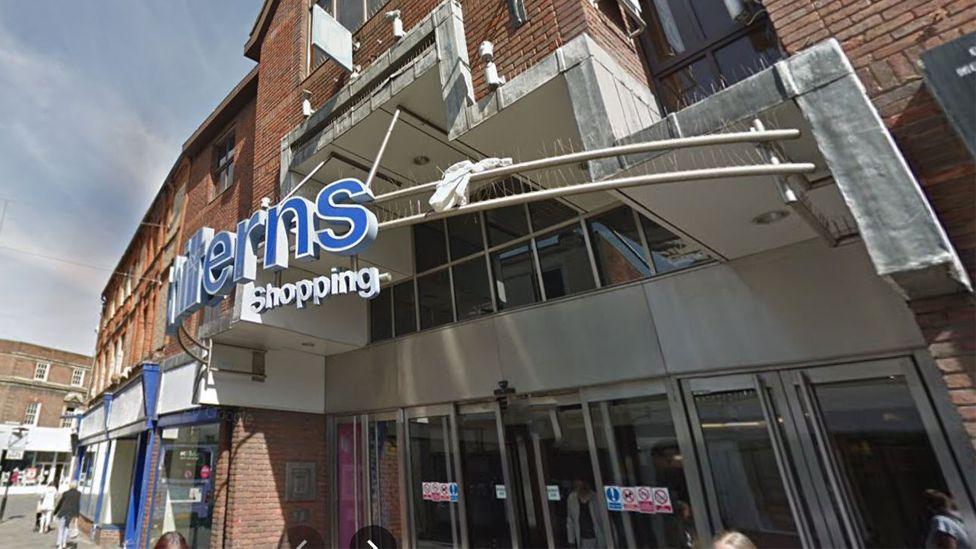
{"x": 668, "y": 250}
{"x": 404, "y": 313}
{"x": 429, "y": 245}
{"x": 434, "y": 299}
{"x": 516, "y": 282}
{"x": 465, "y": 235}
{"x": 506, "y": 224}
{"x": 381, "y": 316}
{"x": 617, "y": 247}
{"x": 564, "y": 262}
{"x": 548, "y": 213}
{"x": 471, "y": 291}
{"x": 747, "y": 55}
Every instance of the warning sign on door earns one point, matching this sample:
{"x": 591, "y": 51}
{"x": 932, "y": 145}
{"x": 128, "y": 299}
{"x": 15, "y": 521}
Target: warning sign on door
{"x": 427, "y": 489}
{"x": 629, "y": 496}
{"x": 662, "y": 500}
{"x": 645, "y": 501}
{"x": 612, "y": 494}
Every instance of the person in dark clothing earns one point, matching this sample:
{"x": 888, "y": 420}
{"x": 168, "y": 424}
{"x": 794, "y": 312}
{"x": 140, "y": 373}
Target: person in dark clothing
{"x": 583, "y": 528}
{"x": 67, "y": 510}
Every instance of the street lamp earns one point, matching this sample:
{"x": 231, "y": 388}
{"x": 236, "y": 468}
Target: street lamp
{"x": 19, "y": 430}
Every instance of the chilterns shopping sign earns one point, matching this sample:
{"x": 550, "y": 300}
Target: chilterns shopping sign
{"x": 214, "y": 262}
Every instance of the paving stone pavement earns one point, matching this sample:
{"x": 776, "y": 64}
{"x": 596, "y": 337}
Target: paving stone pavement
{"x": 17, "y": 528}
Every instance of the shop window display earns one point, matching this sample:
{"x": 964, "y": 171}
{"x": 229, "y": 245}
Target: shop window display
{"x": 183, "y": 499}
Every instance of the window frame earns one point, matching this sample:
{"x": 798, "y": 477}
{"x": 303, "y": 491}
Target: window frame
{"x": 32, "y": 418}
{"x": 224, "y": 158}
{"x": 41, "y": 366}
{"x": 580, "y": 220}
{"x": 331, "y": 10}
{"x": 704, "y": 50}
{"x": 81, "y": 379}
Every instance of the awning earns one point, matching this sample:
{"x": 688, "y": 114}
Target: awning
{"x": 35, "y": 439}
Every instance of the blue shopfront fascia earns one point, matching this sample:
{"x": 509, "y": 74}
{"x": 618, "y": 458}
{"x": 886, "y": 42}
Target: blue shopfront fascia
{"x": 145, "y": 429}
{"x": 214, "y": 263}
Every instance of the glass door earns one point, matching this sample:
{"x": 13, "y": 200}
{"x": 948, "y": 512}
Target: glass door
{"x": 641, "y": 453}
{"x": 485, "y": 487}
{"x": 437, "y": 512}
{"x": 846, "y": 455}
{"x": 368, "y": 475}
{"x": 894, "y": 479}
{"x": 751, "y": 478}
{"x": 551, "y": 474}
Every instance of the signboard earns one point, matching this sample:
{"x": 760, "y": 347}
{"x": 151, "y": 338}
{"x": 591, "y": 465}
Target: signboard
{"x": 500, "y": 491}
{"x": 629, "y": 496}
{"x": 950, "y": 73}
{"x": 645, "y": 501}
{"x": 612, "y": 494}
{"x": 662, "y": 500}
{"x": 336, "y": 222}
{"x": 15, "y": 454}
{"x": 552, "y": 492}
{"x": 330, "y": 38}
{"x": 440, "y": 491}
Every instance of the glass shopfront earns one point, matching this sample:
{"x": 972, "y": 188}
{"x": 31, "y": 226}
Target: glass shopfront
{"x": 845, "y": 455}
{"x": 184, "y": 493}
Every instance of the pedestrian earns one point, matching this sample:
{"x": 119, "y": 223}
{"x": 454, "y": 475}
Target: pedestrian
{"x": 172, "y": 540}
{"x": 583, "y": 528}
{"x": 946, "y": 529}
{"x": 67, "y": 509}
{"x": 48, "y": 497}
{"x": 14, "y": 477}
{"x": 733, "y": 540}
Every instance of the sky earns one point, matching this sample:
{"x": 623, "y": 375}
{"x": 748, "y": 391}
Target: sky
{"x": 96, "y": 100}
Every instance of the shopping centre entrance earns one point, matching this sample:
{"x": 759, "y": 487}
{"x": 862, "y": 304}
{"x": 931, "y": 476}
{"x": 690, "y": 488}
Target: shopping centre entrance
{"x": 840, "y": 455}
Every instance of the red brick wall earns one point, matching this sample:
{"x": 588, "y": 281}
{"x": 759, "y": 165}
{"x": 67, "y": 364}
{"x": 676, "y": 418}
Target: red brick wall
{"x": 884, "y": 40}
{"x": 18, "y": 361}
{"x": 256, "y": 447}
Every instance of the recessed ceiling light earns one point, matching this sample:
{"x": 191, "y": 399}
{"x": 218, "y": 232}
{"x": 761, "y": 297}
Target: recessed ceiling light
{"x": 770, "y": 217}
{"x": 421, "y": 160}
{"x": 308, "y": 344}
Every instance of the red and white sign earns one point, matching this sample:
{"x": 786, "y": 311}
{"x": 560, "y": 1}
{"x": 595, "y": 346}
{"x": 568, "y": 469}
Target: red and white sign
{"x": 645, "y": 501}
{"x": 628, "y": 494}
{"x": 427, "y": 488}
{"x": 662, "y": 500}
{"x": 443, "y": 491}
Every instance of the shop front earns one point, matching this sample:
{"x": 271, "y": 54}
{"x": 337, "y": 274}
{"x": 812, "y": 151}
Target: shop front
{"x": 655, "y": 409}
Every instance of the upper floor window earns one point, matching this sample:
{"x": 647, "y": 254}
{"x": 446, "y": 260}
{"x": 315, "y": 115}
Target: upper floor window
{"x": 224, "y": 163}
{"x": 33, "y": 413}
{"x": 77, "y": 377}
{"x": 695, "y": 48}
{"x": 475, "y": 264}
{"x": 41, "y": 369}
{"x": 66, "y": 417}
{"x": 351, "y": 14}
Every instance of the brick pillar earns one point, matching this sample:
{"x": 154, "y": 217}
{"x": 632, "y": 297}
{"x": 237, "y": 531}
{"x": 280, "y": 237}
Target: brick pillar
{"x": 949, "y": 326}
{"x": 884, "y": 40}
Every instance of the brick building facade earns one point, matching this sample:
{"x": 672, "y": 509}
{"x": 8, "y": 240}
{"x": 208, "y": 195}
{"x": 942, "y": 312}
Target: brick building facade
{"x": 40, "y": 384}
{"x": 573, "y": 55}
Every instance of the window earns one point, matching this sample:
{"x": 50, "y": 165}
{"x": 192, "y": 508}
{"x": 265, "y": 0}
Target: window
{"x": 617, "y": 247}
{"x": 475, "y": 264}
{"x": 516, "y": 282}
{"x": 669, "y": 251}
{"x": 429, "y": 246}
{"x": 41, "y": 369}
{"x": 77, "y": 377}
{"x": 33, "y": 413}
{"x": 434, "y": 299}
{"x": 564, "y": 262}
{"x": 404, "y": 308}
{"x": 694, "y": 48}
{"x": 351, "y": 14}
{"x": 66, "y": 416}
{"x": 224, "y": 163}
{"x": 381, "y": 316}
